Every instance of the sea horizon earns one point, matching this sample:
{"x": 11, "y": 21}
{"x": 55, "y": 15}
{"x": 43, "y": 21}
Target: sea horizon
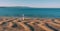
{"x": 30, "y": 12}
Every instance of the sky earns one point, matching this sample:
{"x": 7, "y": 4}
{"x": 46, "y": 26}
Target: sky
{"x": 32, "y": 3}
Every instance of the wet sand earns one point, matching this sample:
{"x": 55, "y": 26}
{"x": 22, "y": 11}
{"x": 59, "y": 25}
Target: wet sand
{"x": 29, "y": 24}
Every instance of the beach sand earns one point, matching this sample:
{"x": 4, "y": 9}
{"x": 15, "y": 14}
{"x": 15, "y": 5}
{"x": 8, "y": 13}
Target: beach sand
{"x": 29, "y": 24}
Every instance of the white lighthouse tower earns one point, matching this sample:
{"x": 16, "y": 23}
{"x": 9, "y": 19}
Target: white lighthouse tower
{"x": 23, "y": 17}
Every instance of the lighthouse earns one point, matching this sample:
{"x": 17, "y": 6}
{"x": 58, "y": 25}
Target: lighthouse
{"x": 23, "y": 17}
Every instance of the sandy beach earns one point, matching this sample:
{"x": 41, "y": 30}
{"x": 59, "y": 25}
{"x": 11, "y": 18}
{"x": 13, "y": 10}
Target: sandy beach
{"x": 29, "y": 24}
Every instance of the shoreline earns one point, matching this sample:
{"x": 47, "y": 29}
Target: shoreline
{"x": 30, "y": 17}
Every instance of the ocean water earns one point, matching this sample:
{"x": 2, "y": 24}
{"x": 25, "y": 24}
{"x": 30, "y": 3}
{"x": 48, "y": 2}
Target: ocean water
{"x": 30, "y": 12}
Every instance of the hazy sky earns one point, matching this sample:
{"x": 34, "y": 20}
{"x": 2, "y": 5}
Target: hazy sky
{"x": 31, "y": 3}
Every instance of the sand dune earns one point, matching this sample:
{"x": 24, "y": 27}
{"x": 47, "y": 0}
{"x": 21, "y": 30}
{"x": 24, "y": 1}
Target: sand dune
{"x": 29, "y": 24}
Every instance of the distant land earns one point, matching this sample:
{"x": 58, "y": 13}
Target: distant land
{"x": 18, "y": 7}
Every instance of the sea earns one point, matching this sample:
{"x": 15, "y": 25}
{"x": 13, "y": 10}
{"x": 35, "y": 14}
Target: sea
{"x": 30, "y": 12}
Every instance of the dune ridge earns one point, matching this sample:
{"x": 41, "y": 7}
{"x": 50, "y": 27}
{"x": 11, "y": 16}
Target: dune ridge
{"x": 29, "y": 24}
